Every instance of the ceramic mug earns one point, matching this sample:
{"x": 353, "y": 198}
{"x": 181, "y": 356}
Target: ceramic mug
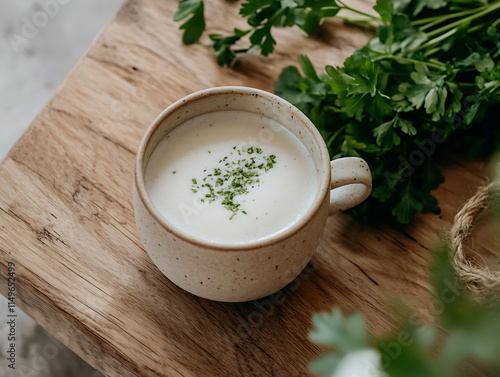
{"x": 255, "y": 269}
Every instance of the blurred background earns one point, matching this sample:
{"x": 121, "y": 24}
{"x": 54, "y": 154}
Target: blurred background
{"x": 41, "y": 41}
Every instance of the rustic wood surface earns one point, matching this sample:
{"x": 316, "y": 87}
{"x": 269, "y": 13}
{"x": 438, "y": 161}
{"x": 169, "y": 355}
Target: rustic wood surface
{"x": 67, "y": 222}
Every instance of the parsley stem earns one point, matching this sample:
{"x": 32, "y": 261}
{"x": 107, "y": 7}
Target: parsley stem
{"x": 334, "y": 136}
{"x": 436, "y": 20}
{"x": 432, "y": 42}
{"x": 495, "y": 24}
{"x": 361, "y": 22}
{"x": 435, "y": 64}
{"x": 495, "y": 87}
{"x": 432, "y": 51}
{"x": 347, "y": 7}
{"x": 476, "y": 28}
{"x": 466, "y": 84}
{"x": 491, "y": 8}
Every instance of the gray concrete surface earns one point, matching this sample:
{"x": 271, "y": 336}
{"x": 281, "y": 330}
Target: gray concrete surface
{"x": 40, "y": 42}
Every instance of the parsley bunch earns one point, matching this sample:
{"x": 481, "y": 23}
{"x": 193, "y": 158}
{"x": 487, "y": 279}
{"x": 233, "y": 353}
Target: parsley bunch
{"x": 430, "y": 76}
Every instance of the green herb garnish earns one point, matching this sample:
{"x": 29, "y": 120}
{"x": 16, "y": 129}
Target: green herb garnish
{"x": 234, "y": 178}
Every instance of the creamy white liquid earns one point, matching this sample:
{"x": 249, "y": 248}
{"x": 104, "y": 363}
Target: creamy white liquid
{"x": 193, "y": 150}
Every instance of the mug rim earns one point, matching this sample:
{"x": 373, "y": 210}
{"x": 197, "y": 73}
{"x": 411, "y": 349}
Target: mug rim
{"x": 139, "y": 180}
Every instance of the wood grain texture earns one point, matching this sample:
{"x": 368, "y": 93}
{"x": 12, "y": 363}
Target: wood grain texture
{"x": 66, "y": 216}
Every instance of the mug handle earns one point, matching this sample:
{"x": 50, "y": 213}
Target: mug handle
{"x": 350, "y": 184}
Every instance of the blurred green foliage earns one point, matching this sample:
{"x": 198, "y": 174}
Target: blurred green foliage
{"x": 471, "y": 332}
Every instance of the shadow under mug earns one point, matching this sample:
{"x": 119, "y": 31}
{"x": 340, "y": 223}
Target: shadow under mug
{"x": 256, "y": 269}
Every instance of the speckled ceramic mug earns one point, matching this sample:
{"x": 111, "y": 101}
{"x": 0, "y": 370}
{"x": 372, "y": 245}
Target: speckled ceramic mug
{"x": 259, "y": 268}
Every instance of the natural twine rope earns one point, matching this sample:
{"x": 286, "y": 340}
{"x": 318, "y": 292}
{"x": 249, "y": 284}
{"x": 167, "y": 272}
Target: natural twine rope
{"x": 483, "y": 283}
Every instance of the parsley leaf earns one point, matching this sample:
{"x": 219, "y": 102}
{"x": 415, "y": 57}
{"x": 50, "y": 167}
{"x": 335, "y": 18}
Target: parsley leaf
{"x": 222, "y": 46}
{"x": 385, "y": 9}
{"x": 408, "y": 205}
{"x": 194, "y": 26}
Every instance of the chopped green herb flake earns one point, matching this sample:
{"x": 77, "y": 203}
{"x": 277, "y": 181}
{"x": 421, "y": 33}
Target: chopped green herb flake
{"x": 235, "y": 178}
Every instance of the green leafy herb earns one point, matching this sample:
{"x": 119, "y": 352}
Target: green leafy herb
{"x": 431, "y": 76}
{"x": 234, "y": 178}
{"x": 262, "y": 17}
{"x": 194, "y": 26}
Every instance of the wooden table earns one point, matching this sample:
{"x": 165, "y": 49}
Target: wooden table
{"x": 67, "y": 222}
